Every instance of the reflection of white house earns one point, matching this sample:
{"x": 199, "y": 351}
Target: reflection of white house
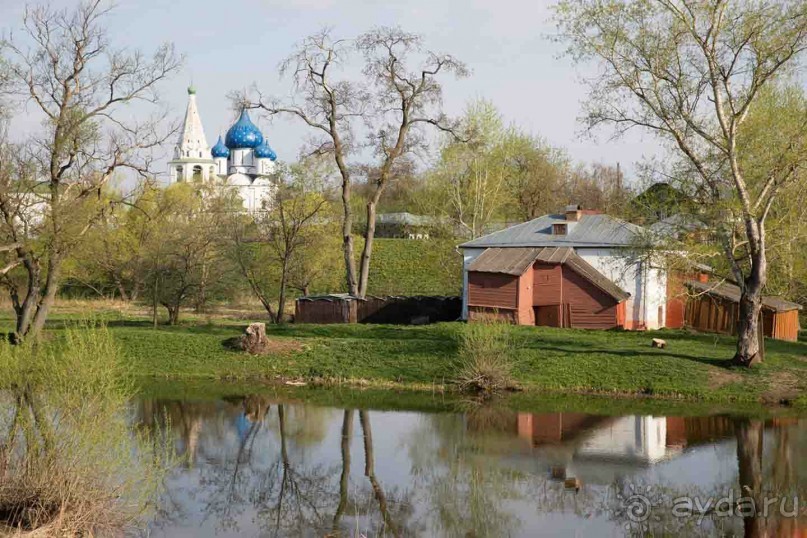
{"x": 243, "y": 161}
{"x": 638, "y": 439}
{"x": 600, "y": 449}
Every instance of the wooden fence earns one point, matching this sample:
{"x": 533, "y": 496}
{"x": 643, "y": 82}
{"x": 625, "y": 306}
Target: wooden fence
{"x": 416, "y": 310}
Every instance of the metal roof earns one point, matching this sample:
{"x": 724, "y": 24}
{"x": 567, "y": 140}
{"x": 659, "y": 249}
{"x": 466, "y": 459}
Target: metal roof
{"x": 405, "y": 218}
{"x": 515, "y": 261}
{"x": 590, "y": 231}
{"x": 731, "y": 292}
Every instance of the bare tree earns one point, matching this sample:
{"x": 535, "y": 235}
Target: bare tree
{"x": 392, "y": 101}
{"x": 65, "y": 66}
{"x": 690, "y": 72}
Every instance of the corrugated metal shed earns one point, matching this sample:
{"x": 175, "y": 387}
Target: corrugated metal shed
{"x": 732, "y": 293}
{"x": 590, "y": 231}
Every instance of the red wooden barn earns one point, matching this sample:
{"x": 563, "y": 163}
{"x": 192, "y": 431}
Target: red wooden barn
{"x": 551, "y": 286}
{"x": 716, "y": 308}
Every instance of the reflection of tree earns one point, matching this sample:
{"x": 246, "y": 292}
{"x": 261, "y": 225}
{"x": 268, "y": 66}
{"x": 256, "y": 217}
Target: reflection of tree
{"x": 749, "y": 464}
{"x": 465, "y": 489}
{"x": 369, "y": 472}
{"x": 344, "y": 477}
{"x": 465, "y": 478}
{"x": 298, "y": 499}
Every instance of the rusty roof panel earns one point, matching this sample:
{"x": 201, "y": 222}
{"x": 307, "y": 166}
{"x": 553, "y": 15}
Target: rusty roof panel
{"x": 509, "y": 261}
{"x": 731, "y": 292}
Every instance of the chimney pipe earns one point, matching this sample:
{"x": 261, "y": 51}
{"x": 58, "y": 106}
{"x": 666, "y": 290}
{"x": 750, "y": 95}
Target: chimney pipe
{"x": 573, "y": 213}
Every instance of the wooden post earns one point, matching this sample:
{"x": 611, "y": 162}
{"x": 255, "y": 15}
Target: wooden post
{"x": 761, "y": 337}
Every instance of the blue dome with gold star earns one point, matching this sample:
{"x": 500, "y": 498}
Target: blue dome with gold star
{"x": 265, "y": 152}
{"x": 220, "y": 150}
{"x": 243, "y": 134}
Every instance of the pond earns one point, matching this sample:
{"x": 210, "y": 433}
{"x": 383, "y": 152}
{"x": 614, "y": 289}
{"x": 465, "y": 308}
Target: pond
{"x": 268, "y": 465}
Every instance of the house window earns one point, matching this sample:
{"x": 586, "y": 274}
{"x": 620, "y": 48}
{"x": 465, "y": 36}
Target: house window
{"x": 559, "y": 229}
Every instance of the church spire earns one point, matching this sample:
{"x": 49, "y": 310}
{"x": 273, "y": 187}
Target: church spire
{"x": 192, "y": 142}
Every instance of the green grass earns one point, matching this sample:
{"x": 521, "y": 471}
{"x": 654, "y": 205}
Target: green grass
{"x": 411, "y": 267}
{"x": 693, "y": 366}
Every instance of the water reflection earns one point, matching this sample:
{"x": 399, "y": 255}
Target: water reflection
{"x": 255, "y": 466}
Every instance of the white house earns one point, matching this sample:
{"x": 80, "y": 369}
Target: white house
{"x": 242, "y": 161}
{"x": 607, "y": 247}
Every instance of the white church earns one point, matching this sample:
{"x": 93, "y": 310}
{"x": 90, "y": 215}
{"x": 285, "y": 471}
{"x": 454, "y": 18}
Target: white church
{"x": 243, "y": 160}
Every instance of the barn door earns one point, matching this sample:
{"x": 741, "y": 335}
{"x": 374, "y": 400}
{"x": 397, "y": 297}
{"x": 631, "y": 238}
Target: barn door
{"x": 547, "y": 316}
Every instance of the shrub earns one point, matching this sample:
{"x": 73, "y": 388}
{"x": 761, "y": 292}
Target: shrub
{"x": 485, "y": 362}
{"x": 70, "y": 463}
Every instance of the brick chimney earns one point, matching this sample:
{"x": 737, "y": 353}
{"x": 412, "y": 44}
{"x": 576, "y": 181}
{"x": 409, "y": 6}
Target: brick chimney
{"x": 573, "y": 213}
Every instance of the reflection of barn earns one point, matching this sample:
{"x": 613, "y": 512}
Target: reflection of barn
{"x": 716, "y": 308}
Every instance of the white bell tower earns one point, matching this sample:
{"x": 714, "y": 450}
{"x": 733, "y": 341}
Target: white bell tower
{"x": 192, "y": 159}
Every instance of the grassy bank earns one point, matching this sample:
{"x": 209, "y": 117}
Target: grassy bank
{"x": 411, "y": 267}
{"x": 560, "y": 360}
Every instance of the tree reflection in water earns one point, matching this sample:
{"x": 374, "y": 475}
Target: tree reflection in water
{"x": 269, "y": 467}
{"x": 252, "y": 456}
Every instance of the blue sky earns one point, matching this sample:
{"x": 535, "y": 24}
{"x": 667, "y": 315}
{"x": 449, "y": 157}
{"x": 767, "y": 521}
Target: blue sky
{"x": 231, "y": 45}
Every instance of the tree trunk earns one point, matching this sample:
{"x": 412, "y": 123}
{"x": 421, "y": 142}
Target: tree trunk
{"x": 26, "y": 310}
{"x": 201, "y": 298}
{"x": 347, "y": 241}
{"x": 121, "y": 288}
{"x": 48, "y": 297}
{"x": 154, "y": 303}
{"x": 281, "y": 301}
{"x": 173, "y": 313}
{"x": 367, "y": 251}
{"x": 748, "y": 329}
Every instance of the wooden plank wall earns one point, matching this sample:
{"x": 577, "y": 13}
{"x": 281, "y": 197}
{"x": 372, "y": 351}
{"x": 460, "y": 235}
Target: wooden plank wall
{"x": 713, "y": 314}
{"x": 547, "y": 285}
{"x": 493, "y": 290}
{"x": 786, "y": 326}
{"x": 325, "y": 311}
{"x": 589, "y": 306}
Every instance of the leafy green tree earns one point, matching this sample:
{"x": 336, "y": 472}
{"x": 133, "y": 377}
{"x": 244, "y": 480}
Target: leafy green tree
{"x": 469, "y": 184}
{"x": 294, "y": 244}
{"x": 185, "y": 262}
{"x": 111, "y": 258}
